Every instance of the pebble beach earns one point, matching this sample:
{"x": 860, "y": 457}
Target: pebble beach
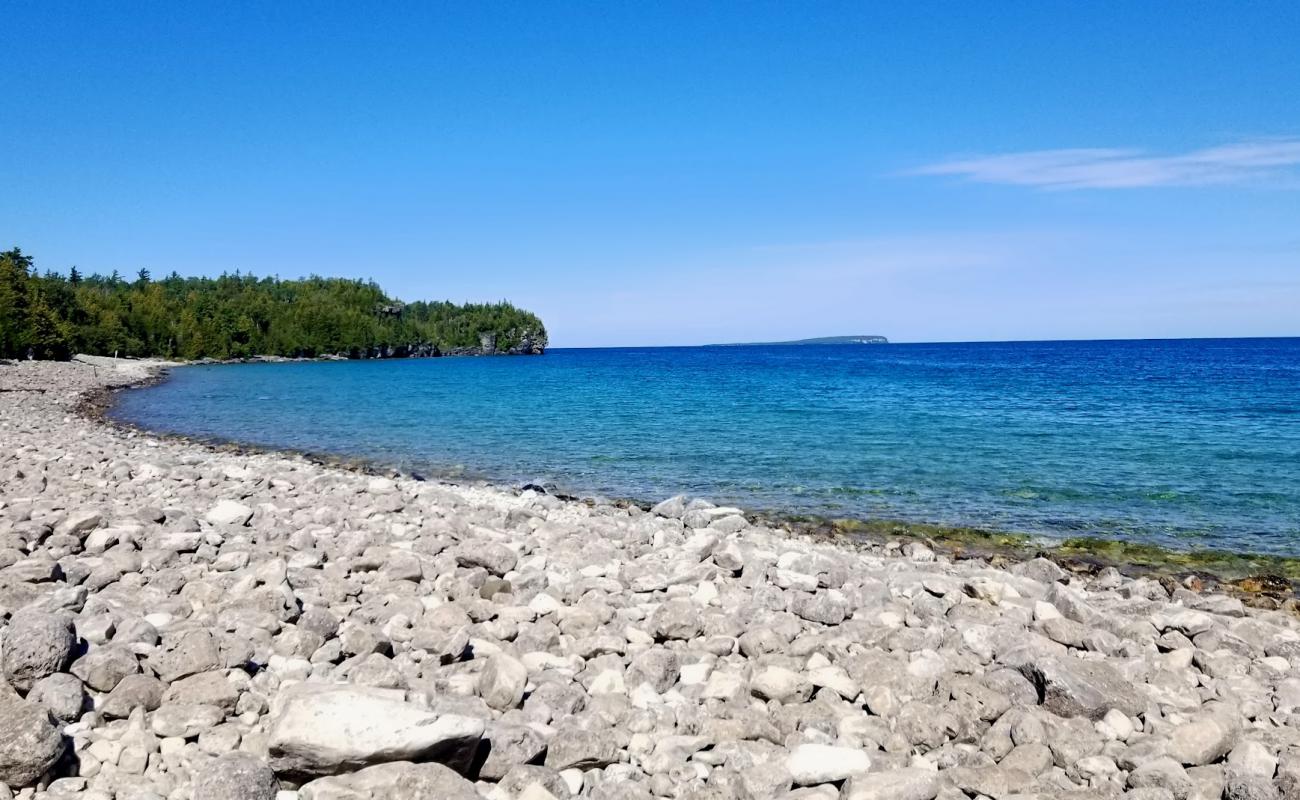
{"x": 185, "y": 623}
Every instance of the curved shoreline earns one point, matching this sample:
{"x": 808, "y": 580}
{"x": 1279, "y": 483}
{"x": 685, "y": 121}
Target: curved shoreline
{"x": 1265, "y": 580}
{"x": 175, "y": 615}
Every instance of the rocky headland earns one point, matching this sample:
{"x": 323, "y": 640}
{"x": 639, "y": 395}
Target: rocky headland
{"x": 184, "y": 623}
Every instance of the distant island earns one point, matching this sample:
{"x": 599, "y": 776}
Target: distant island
{"x": 51, "y": 315}
{"x": 820, "y": 340}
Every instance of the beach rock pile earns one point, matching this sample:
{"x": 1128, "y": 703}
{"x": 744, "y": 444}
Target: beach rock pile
{"x": 185, "y": 623}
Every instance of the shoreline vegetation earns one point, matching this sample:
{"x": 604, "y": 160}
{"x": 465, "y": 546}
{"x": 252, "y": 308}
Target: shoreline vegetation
{"x": 178, "y": 617}
{"x": 239, "y": 316}
{"x": 1265, "y": 580}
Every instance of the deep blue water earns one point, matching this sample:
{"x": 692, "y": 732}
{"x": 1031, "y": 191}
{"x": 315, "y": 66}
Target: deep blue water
{"x": 1189, "y": 443}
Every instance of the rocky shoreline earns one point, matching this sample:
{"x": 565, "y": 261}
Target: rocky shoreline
{"x": 183, "y": 623}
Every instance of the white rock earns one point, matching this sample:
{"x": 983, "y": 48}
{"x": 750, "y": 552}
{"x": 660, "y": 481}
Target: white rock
{"x": 811, "y": 764}
{"x": 229, "y": 512}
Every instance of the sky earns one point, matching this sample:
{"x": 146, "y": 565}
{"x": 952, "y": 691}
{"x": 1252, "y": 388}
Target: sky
{"x": 682, "y": 173}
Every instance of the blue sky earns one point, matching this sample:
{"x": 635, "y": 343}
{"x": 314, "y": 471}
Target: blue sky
{"x": 683, "y": 173}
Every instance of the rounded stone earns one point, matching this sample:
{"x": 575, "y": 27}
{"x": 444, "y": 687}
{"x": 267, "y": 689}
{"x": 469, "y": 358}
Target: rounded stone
{"x": 36, "y": 644}
{"x": 236, "y": 776}
{"x": 29, "y": 742}
{"x": 62, "y": 694}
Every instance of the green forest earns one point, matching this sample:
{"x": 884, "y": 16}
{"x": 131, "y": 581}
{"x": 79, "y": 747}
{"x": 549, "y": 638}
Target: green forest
{"x": 51, "y": 315}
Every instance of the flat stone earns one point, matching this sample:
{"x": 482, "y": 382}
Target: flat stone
{"x": 908, "y": 783}
{"x": 399, "y": 779}
{"x": 572, "y": 748}
{"x": 327, "y": 730}
{"x": 229, "y": 513}
{"x": 1071, "y": 687}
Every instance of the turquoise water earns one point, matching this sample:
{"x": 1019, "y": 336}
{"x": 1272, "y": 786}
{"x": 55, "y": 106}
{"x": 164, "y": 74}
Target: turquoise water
{"x": 1188, "y": 443}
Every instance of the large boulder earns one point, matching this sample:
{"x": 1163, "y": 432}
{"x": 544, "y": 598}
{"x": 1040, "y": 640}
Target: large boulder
{"x": 36, "y": 644}
{"x": 29, "y": 741}
{"x": 236, "y": 776}
{"x": 325, "y": 730}
{"x": 1072, "y": 687}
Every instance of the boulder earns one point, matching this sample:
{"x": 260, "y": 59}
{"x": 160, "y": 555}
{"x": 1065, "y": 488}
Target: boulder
{"x": 673, "y": 507}
{"x": 104, "y": 667}
{"x": 30, "y": 743}
{"x": 62, "y": 694}
{"x": 495, "y": 558}
{"x": 132, "y": 692}
{"x": 184, "y": 654}
{"x": 509, "y": 746}
{"x": 573, "y": 748}
{"x": 1203, "y": 740}
{"x": 658, "y": 666}
{"x": 676, "y": 619}
{"x": 236, "y": 776}
{"x": 36, "y": 644}
{"x": 501, "y": 683}
{"x": 323, "y": 730}
{"x": 1071, "y": 687}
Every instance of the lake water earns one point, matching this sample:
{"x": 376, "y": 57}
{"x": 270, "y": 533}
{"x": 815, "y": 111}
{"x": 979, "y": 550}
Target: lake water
{"x": 1187, "y": 443}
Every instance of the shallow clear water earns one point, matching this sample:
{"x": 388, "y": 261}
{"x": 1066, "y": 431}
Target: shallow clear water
{"x": 1190, "y": 443}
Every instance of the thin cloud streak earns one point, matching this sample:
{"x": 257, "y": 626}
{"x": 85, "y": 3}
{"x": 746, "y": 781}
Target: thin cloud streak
{"x": 1102, "y": 168}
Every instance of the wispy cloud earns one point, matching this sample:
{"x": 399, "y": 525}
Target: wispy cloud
{"x": 1099, "y": 168}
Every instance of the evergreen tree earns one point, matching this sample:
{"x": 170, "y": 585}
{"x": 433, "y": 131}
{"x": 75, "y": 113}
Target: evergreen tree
{"x": 236, "y": 315}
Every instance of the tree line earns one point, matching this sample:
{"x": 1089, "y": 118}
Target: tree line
{"x": 51, "y": 315}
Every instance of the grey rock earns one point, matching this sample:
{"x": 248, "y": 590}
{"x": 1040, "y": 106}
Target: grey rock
{"x": 501, "y": 683}
{"x": 829, "y": 607}
{"x": 132, "y": 692}
{"x": 658, "y": 666}
{"x": 673, "y": 507}
{"x": 1203, "y": 740}
{"x": 185, "y": 653}
{"x": 62, "y": 694}
{"x": 908, "y": 783}
{"x": 36, "y": 644}
{"x": 495, "y": 558}
{"x": 1251, "y": 787}
{"x": 236, "y": 776}
{"x": 394, "y": 780}
{"x": 184, "y": 720}
{"x": 676, "y": 619}
{"x": 509, "y": 746}
{"x": 1162, "y": 773}
{"x": 519, "y": 779}
{"x": 104, "y": 667}
{"x": 1071, "y": 687}
{"x": 574, "y": 748}
{"x": 29, "y": 741}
